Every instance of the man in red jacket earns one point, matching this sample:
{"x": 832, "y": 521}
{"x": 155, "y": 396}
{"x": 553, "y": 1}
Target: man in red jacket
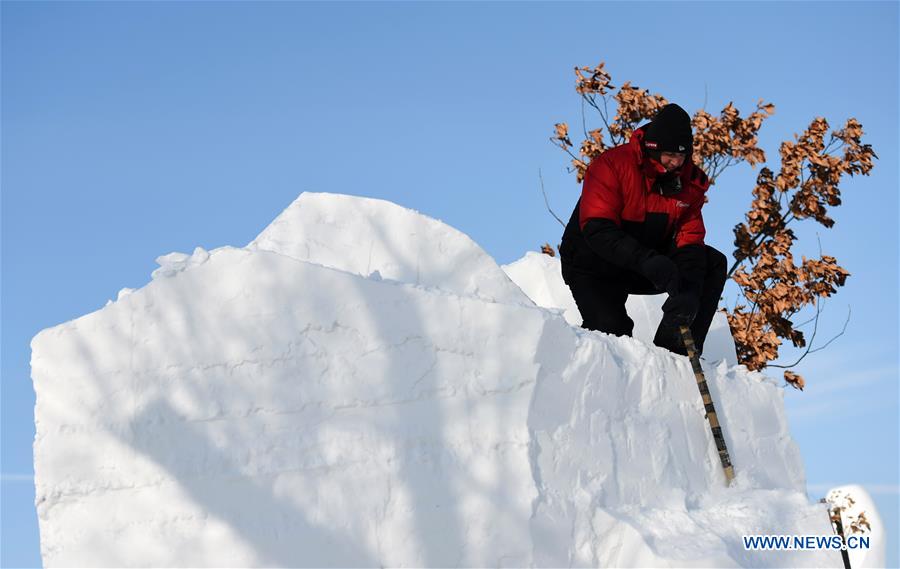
{"x": 638, "y": 229}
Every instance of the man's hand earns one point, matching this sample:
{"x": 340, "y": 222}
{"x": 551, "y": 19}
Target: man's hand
{"x": 662, "y": 272}
{"x": 681, "y": 309}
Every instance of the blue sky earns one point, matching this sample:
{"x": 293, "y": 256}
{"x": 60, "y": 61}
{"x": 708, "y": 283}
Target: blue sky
{"x": 130, "y": 130}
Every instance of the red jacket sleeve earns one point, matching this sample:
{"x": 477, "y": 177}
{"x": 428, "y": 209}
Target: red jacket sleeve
{"x": 690, "y": 229}
{"x": 601, "y": 194}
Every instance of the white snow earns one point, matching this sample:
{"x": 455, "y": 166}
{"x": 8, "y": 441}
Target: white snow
{"x": 365, "y": 235}
{"x": 174, "y": 263}
{"x": 364, "y": 386}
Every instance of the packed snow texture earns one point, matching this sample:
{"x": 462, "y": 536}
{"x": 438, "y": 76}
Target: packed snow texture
{"x": 363, "y": 386}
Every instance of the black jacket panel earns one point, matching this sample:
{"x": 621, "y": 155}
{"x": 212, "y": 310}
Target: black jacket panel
{"x": 605, "y": 248}
{"x": 691, "y": 263}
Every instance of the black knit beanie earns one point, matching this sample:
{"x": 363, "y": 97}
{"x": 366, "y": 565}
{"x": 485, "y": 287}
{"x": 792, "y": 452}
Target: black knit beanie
{"x": 669, "y": 131}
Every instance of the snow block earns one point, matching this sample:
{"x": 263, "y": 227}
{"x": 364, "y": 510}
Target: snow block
{"x": 249, "y": 408}
{"x": 258, "y": 410}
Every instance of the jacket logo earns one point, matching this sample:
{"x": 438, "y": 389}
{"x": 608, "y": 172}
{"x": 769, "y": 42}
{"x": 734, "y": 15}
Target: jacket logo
{"x": 681, "y": 204}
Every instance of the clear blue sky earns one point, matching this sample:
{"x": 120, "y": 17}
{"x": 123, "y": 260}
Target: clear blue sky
{"x": 130, "y": 130}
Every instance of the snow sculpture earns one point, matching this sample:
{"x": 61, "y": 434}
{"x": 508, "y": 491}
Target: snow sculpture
{"x": 253, "y": 406}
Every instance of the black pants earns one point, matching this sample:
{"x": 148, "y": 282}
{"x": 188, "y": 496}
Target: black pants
{"x": 601, "y": 301}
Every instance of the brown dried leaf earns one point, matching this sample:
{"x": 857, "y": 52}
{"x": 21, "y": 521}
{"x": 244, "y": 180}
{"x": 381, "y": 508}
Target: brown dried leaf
{"x": 794, "y": 380}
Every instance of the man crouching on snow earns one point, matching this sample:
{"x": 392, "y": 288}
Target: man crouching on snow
{"x": 638, "y": 229}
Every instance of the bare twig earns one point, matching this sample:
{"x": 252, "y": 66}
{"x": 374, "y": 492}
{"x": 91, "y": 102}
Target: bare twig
{"x": 564, "y": 149}
{"x": 547, "y": 202}
{"x": 821, "y": 308}
{"x": 605, "y": 116}
{"x": 831, "y": 141}
{"x": 809, "y": 346}
{"x": 604, "y": 112}
{"x": 590, "y": 100}
{"x": 583, "y": 120}
{"x": 844, "y": 329}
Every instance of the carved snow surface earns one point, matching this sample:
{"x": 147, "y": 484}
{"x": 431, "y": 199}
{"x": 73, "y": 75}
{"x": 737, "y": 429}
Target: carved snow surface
{"x": 369, "y": 236}
{"x": 247, "y": 408}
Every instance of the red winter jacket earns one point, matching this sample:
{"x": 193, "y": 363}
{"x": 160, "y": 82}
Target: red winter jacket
{"x": 621, "y": 220}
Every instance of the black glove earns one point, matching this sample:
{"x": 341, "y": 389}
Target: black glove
{"x": 669, "y": 337}
{"x": 678, "y": 310}
{"x": 681, "y": 309}
{"x": 662, "y": 272}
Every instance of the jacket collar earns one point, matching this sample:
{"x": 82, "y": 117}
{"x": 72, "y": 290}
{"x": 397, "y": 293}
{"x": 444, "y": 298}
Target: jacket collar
{"x": 649, "y": 167}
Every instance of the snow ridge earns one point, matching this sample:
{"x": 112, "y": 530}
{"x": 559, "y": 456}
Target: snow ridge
{"x": 365, "y": 236}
